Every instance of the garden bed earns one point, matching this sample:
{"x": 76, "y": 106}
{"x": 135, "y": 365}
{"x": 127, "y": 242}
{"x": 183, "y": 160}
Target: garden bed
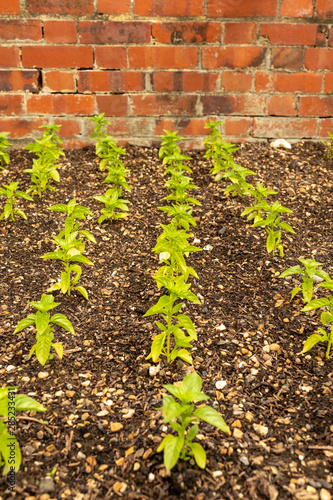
{"x": 278, "y": 403}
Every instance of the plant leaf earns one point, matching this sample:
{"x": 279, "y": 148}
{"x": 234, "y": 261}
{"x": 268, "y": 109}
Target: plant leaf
{"x": 43, "y": 347}
{"x": 61, "y": 320}
{"x": 211, "y": 416}
{"x": 199, "y": 454}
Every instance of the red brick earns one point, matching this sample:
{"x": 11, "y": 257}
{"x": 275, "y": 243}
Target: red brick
{"x": 79, "y": 7}
{"x": 185, "y": 126}
{"x": 112, "y": 105}
{"x": 21, "y": 127}
{"x": 281, "y": 105}
{"x": 163, "y": 57}
{"x": 263, "y": 81}
{"x": 328, "y": 85}
{"x": 62, "y": 56}
{"x": 60, "y": 31}
{"x": 59, "y": 81}
{"x": 111, "y": 57}
{"x": 326, "y": 125}
{"x": 290, "y": 34}
{"x": 330, "y": 41}
{"x": 188, "y": 8}
{"x": 229, "y": 104}
{"x": 287, "y": 58}
{"x": 9, "y": 6}
{"x": 187, "y": 32}
{"x": 316, "y": 106}
{"x": 236, "y": 81}
{"x": 191, "y": 81}
{"x": 111, "y": 81}
{"x": 232, "y": 57}
{"x": 67, "y": 104}
{"x": 325, "y": 9}
{"x": 69, "y": 128}
{"x": 75, "y": 143}
{"x": 241, "y": 8}
{"x": 11, "y": 104}
{"x": 163, "y": 104}
{"x": 240, "y": 32}
{"x": 9, "y": 57}
{"x": 297, "y": 8}
{"x": 272, "y": 127}
{"x": 114, "y": 6}
{"x": 238, "y": 127}
{"x": 298, "y": 82}
{"x": 15, "y": 29}
{"x": 113, "y": 32}
{"x": 319, "y": 59}
{"x": 19, "y": 79}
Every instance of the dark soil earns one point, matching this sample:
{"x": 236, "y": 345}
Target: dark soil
{"x": 277, "y": 402}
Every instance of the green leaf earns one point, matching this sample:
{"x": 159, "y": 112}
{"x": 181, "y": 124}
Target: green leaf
{"x": 295, "y": 292}
{"x": 185, "y": 356}
{"x": 61, "y": 320}
{"x": 24, "y": 323}
{"x": 212, "y": 417}
{"x": 186, "y": 322}
{"x": 199, "y": 454}
{"x": 8, "y": 444}
{"x": 167, "y": 438}
{"x": 82, "y": 259}
{"x": 172, "y": 450}
{"x": 292, "y": 270}
{"x": 157, "y": 346}
{"x": 164, "y": 302}
{"x": 58, "y": 347}
{"x": 65, "y": 282}
{"x": 82, "y": 291}
{"x": 87, "y": 235}
{"x": 42, "y": 321}
{"x": 192, "y": 432}
{"x": 316, "y": 304}
{"x": 270, "y": 243}
{"x": 43, "y": 347}
{"x": 286, "y": 227}
{"x": 192, "y": 383}
{"x": 26, "y": 403}
{"x": 326, "y": 318}
{"x": 311, "y": 342}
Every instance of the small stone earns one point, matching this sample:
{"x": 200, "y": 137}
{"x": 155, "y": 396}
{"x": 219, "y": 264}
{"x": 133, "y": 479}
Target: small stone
{"x": 46, "y": 485}
{"x": 220, "y": 384}
{"x": 258, "y": 460}
{"x": 325, "y": 495}
{"x": 244, "y": 460}
{"x": 43, "y": 374}
{"x": 136, "y": 466}
{"x": 220, "y": 328}
{"x": 10, "y": 368}
{"x": 237, "y": 424}
{"x": 281, "y": 143}
{"x": 217, "y": 473}
{"x": 274, "y": 348}
{"x": 249, "y": 379}
{"x": 129, "y": 414}
{"x": 116, "y": 426}
{"x": 153, "y": 370}
{"x": 151, "y": 477}
{"x": 81, "y": 456}
{"x": 208, "y": 248}
{"x": 119, "y": 487}
{"x": 238, "y": 434}
{"x": 85, "y": 416}
{"x": 260, "y": 429}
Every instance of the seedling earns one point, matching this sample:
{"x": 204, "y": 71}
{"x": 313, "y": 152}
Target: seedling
{"x": 182, "y": 445}
{"x": 326, "y": 319}
{"x": 44, "y": 326}
{"x": 255, "y": 212}
{"x": 169, "y": 144}
{"x": 182, "y": 215}
{"x": 12, "y": 192}
{"x": 178, "y": 185}
{"x": 4, "y": 144}
{"x": 308, "y": 274}
{"x": 112, "y": 201}
{"x": 10, "y": 453}
{"x": 237, "y": 176}
{"x": 329, "y": 145}
{"x": 218, "y": 150}
{"x": 100, "y": 133}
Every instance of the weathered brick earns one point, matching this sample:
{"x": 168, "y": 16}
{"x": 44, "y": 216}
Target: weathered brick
{"x": 281, "y": 105}
{"x": 290, "y": 34}
{"x": 272, "y": 127}
{"x": 111, "y": 81}
{"x": 79, "y": 7}
{"x": 59, "y": 81}
{"x": 263, "y": 81}
{"x": 164, "y": 104}
{"x": 322, "y": 35}
{"x": 112, "y": 105}
{"x": 185, "y": 126}
{"x": 60, "y": 31}
{"x": 236, "y": 81}
{"x": 114, "y": 6}
{"x": 186, "y": 32}
{"x": 238, "y": 127}
{"x": 75, "y": 143}
{"x": 114, "y": 32}
{"x": 9, "y": 6}
{"x": 298, "y": 82}
{"x": 62, "y": 56}
{"x": 180, "y": 8}
{"x": 316, "y": 106}
{"x": 163, "y": 57}
{"x": 287, "y": 57}
{"x": 9, "y": 57}
{"x": 181, "y": 81}
{"x": 15, "y": 29}
{"x": 324, "y": 9}
{"x": 316, "y": 59}
{"x": 19, "y": 79}
{"x": 21, "y": 127}
{"x": 67, "y": 104}
{"x": 232, "y": 57}
{"x": 219, "y": 104}
{"x": 11, "y": 104}
{"x": 239, "y": 8}
{"x": 240, "y": 32}
{"x": 330, "y": 40}
{"x": 328, "y": 84}
{"x": 111, "y": 57}
{"x": 69, "y": 128}
{"x": 325, "y": 126}
{"x": 297, "y": 8}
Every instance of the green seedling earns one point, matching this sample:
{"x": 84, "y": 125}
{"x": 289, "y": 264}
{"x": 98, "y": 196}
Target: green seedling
{"x": 178, "y": 185}
{"x": 10, "y": 453}
{"x": 4, "y": 144}
{"x": 44, "y": 325}
{"x": 329, "y": 145}
{"x": 169, "y": 144}
{"x": 308, "y": 274}
{"x": 273, "y": 225}
{"x": 218, "y": 151}
{"x": 326, "y": 319}
{"x": 100, "y": 133}
{"x": 182, "y": 215}
{"x": 184, "y": 419}
{"x": 112, "y": 201}
{"x": 117, "y": 176}
{"x": 237, "y": 176}
{"x": 73, "y": 212}
{"x": 12, "y": 192}
{"x": 255, "y": 213}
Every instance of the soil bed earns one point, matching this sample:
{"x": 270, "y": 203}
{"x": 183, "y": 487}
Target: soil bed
{"x": 278, "y": 403}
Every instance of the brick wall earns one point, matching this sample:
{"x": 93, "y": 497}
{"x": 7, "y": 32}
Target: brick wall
{"x": 265, "y": 67}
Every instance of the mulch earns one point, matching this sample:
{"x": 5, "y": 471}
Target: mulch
{"x": 99, "y": 435}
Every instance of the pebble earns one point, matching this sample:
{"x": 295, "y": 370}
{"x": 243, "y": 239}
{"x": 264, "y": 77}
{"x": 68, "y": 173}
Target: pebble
{"x": 244, "y": 460}
{"x": 208, "y": 248}
{"x": 260, "y": 429}
{"x": 10, "y": 368}
{"x": 116, "y": 426}
{"x": 81, "y": 456}
{"x": 43, "y": 374}
{"x": 238, "y": 434}
{"x": 220, "y": 384}
{"x": 153, "y": 370}
{"x": 281, "y": 143}
{"x": 220, "y": 328}
{"x": 46, "y": 485}
{"x": 151, "y": 477}
{"x": 325, "y": 495}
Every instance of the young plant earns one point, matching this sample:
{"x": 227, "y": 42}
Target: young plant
{"x": 12, "y": 192}
{"x": 178, "y": 185}
{"x": 326, "y": 318}
{"x": 4, "y": 144}
{"x": 44, "y": 325}
{"x": 100, "y": 133}
{"x": 329, "y": 145}
{"x": 181, "y": 214}
{"x": 237, "y": 176}
{"x": 308, "y": 274}
{"x": 273, "y": 225}
{"x": 10, "y": 453}
{"x": 218, "y": 151}
{"x": 169, "y": 144}
{"x": 112, "y": 201}
{"x": 73, "y": 211}
{"x": 47, "y": 148}
{"x": 255, "y": 212}
{"x": 184, "y": 419}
